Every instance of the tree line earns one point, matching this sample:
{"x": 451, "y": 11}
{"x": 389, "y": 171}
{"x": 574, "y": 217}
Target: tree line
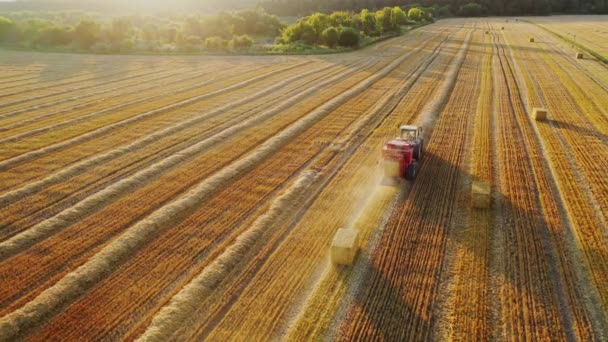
{"x": 81, "y": 31}
{"x": 347, "y": 29}
{"x": 456, "y": 7}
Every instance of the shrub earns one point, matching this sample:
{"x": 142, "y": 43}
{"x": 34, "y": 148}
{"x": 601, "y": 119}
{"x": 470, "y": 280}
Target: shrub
{"x": 470, "y": 10}
{"x": 330, "y": 36}
{"x": 7, "y": 29}
{"x": 216, "y": 43}
{"x": 398, "y": 17}
{"x": 443, "y": 12}
{"x": 368, "y": 22}
{"x": 415, "y": 14}
{"x": 241, "y": 42}
{"x": 349, "y": 37}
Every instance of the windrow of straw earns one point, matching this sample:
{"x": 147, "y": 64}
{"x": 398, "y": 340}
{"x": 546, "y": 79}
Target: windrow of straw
{"x": 94, "y": 114}
{"x": 99, "y": 199}
{"x": 75, "y": 283}
{"x": 103, "y": 130}
{"x": 52, "y": 85}
{"x": 170, "y": 74}
{"x": 187, "y": 301}
{"x": 80, "y": 167}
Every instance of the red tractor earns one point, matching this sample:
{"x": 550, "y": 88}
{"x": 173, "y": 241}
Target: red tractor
{"x": 402, "y": 155}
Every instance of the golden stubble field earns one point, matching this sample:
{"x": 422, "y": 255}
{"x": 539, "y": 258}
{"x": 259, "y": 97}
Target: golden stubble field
{"x": 187, "y": 198}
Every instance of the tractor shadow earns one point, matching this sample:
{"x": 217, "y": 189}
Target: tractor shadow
{"x": 410, "y": 263}
{"x": 578, "y": 130}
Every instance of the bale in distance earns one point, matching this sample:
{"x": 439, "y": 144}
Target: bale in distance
{"x": 480, "y": 195}
{"x": 579, "y": 55}
{"x": 531, "y": 40}
{"x": 539, "y": 114}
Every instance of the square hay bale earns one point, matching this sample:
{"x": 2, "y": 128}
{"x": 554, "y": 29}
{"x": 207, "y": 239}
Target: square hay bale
{"x": 531, "y": 40}
{"x": 502, "y": 28}
{"x": 480, "y": 195}
{"x": 579, "y": 55}
{"x": 345, "y": 246}
{"x": 539, "y": 114}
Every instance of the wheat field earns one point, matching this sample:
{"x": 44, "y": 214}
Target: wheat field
{"x": 157, "y": 198}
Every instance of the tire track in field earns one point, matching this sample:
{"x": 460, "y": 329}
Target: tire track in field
{"x": 115, "y": 253}
{"x": 28, "y": 156}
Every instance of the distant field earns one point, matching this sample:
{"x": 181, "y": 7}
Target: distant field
{"x": 190, "y": 198}
{"x": 590, "y": 31}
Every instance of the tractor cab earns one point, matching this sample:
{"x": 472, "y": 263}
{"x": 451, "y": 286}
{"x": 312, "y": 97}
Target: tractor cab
{"x": 402, "y": 154}
{"x": 410, "y": 133}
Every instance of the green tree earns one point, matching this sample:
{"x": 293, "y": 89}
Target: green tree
{"x": 216, "y": 43}
{"x": 86, "y": 33}
{"x": 8, "y": 30}
{"x": 383, "y": 20}
{"x": 471, "y": 9}
{"x": 349, "y": 37}
{"x": 368, "y": 22}
{"x": 398, "y": 18}
{"x": 54, "y": 36}
{"x": 241, "y": 42}
{"x": 331, "y": 36}
{"x": 120, "y": 30}
{"x": 415, "y": 14}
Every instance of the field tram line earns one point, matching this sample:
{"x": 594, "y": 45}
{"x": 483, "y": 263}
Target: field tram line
{"x": 170, "y": 316}
{"x": 166, "y": 152}
{"x": 547, "y": 238}
{"x": 28, "y": 156}
{"x": 111, "y": 109}
{"x": 583, "y": 276}
{"x": 63, "y": 91}
{"x": 74, "y": 284}
{"x": 126, "y": 185}
{"x": 170, "y": 74}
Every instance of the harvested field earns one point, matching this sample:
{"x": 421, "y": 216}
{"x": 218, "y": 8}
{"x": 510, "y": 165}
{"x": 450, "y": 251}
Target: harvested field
{"x": 191, "y": 198}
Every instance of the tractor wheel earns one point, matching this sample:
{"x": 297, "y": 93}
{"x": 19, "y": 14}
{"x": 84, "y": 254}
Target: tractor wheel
{"x": 418, "y": 151}
{"x": 412, "y": 171}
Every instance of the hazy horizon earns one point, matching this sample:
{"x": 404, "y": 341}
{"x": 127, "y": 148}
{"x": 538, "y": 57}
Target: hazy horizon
{"x": 118, "y": 6}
